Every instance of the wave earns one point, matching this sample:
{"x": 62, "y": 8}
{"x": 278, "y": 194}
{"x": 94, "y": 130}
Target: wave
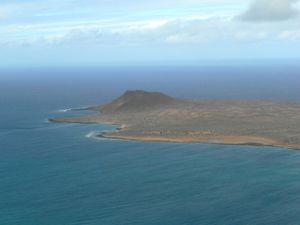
{"x": 65, "y": 110}
{"x": 92, "y": 134}
{"x": 96, "y": 135}
{"x": 73, "y": 109}
{"x": 46, "y": 121}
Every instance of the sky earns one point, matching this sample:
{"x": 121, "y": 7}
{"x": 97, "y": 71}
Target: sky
{"x": 100, "y": 32}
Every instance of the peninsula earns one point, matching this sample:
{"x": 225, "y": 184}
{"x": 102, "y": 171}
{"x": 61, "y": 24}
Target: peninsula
{"x": 154, "y": 116}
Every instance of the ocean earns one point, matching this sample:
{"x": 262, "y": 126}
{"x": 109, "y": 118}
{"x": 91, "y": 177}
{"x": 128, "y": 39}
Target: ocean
{"x": 60, "y": 174}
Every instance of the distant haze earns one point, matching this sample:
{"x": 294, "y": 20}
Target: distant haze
{"x": 67, "y": 87}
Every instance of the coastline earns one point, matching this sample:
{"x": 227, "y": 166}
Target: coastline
{"x": 154, "y": 116}
{"x": 219, "y": 140}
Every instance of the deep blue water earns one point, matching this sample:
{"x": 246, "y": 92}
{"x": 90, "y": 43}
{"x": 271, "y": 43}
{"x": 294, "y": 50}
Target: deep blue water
{"x": 57, "y": 174}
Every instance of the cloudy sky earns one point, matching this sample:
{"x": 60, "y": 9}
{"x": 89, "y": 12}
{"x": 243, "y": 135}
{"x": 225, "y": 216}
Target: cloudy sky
{"x": 135, "y": 31}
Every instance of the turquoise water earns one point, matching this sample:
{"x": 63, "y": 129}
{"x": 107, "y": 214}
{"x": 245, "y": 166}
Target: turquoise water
{"x": 60, "y": 174}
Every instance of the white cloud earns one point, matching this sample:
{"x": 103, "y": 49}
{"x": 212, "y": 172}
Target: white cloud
{"x": 106, "y": 32}
{"x": 270, "y": 10}
{"x": 209, "y": 27}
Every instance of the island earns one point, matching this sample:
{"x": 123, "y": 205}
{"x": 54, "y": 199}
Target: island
{"x": 154, "y": 116}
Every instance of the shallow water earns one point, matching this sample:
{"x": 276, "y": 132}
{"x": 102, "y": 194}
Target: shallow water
{"x": 60, "y": 174}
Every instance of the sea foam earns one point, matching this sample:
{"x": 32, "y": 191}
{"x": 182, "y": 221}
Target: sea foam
{"x": 65, "y": 110}
{"x": 92, "y": 134}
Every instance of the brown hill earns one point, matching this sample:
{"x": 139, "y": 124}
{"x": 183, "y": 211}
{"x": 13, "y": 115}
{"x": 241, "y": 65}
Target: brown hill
{"x": 138, "y": 100}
